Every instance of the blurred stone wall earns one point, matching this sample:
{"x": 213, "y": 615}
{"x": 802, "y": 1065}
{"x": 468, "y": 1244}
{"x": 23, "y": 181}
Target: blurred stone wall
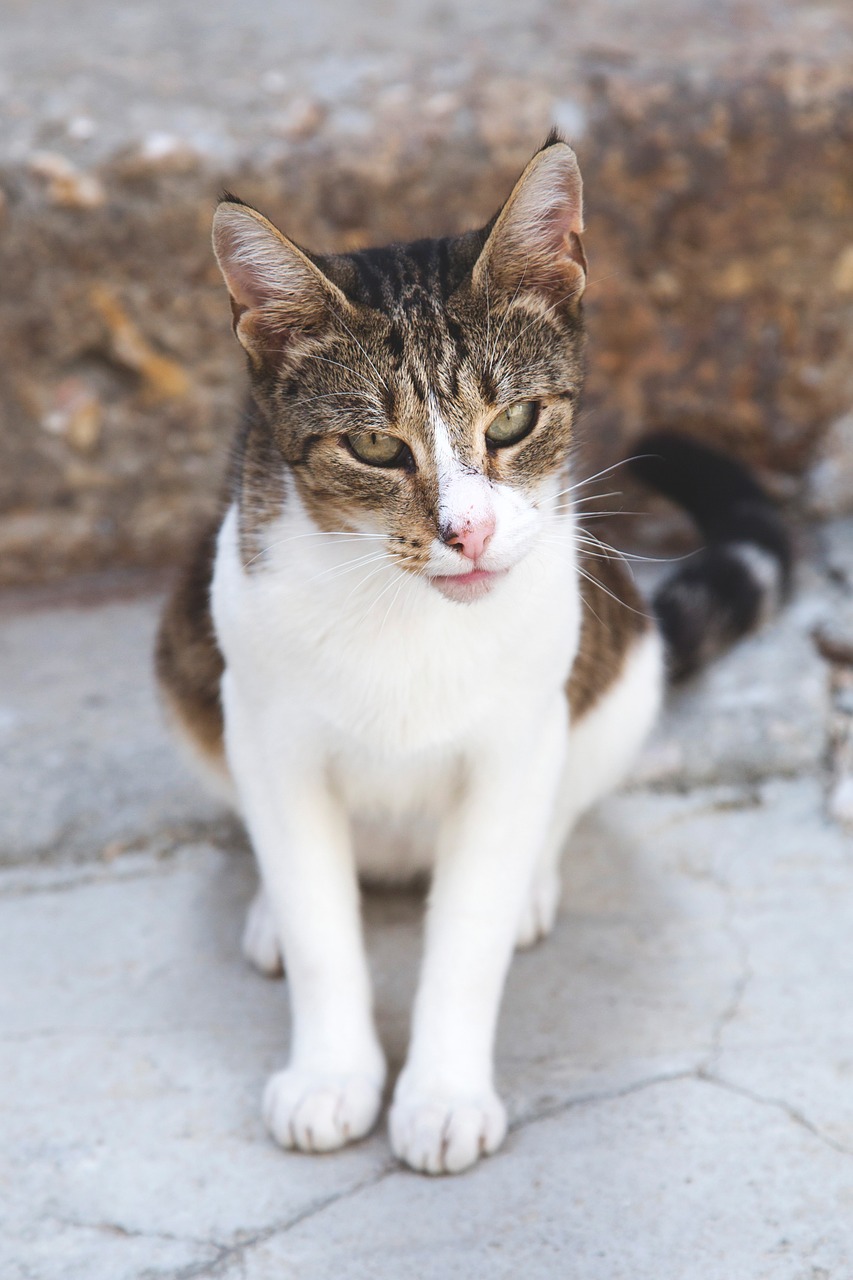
{"x": 720, "y": 236}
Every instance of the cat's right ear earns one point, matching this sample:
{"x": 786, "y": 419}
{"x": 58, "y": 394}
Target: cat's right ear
{"x": 277, "y": 293}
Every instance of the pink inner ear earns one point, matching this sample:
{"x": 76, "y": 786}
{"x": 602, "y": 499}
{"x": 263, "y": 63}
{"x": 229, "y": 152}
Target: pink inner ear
{"x": 247, "y": 283}
{"x": 536, "y": 243}
{"x": 553, "y": 250}
{"x": 553, "y": 233}
{"x": 561, "y": 224}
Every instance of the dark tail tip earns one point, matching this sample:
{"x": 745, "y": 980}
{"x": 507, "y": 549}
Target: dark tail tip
{"x": 744, "y": 571}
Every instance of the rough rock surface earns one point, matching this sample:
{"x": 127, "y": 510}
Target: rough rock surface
{"x": 718, "y": 153}
{"x": 677, "y": 1058}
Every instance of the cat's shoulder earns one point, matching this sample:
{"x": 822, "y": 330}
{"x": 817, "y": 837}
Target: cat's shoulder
{"x": 614, "y": 619}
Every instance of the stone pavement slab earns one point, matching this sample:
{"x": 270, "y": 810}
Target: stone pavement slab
{"x": 677, "y": 1058}
{"x": 682, "y": 1181}
{"x": 85, "y": 765}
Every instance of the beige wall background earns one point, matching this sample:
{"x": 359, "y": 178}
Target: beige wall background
{"x": 716, "y": 142}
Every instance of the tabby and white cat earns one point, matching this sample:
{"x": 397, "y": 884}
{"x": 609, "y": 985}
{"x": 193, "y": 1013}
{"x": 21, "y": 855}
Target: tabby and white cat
{"x": 396, "y": 621}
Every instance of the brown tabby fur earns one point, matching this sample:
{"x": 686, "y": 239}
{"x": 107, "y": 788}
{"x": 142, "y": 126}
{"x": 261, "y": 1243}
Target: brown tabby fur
{"x": 371, "y": 340}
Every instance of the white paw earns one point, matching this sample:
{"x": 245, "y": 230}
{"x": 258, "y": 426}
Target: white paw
{"x": 540, "y": 910}
{"x": 313, "y": 1112}
{"x": 446, "y": 1135}
{"x": 260, "y": 940}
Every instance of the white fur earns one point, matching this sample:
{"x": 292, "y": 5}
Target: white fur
{"x": 467, "y": 498}
{"x": 602, "y": 747}
{"x": 766, "y": 571}
{"x": 356, "y": 694}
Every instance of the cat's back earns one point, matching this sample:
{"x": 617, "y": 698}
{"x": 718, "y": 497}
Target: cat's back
{"x": 188, "y": 659}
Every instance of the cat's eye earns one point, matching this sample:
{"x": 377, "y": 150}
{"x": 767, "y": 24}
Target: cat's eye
{"x": 378, "y": 449}
{"x": 513, "y": 424}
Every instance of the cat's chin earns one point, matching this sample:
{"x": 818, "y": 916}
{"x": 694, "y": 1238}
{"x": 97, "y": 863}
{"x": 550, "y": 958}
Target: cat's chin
{"x": 465, "y": 588}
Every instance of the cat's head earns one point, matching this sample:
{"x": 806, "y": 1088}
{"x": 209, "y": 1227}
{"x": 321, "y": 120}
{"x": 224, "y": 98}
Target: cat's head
{"x": 424, "y": 392}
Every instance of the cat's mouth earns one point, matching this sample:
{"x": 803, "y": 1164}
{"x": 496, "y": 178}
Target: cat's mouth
{"x": 466, "y": 587}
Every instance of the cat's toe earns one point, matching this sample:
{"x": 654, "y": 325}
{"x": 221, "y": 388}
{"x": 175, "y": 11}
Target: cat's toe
{"x": 540, "y": 911}
{"x": 446, "y": 1135}
{"x": 260, "y": 939}
{"x": 309, "y": 1112}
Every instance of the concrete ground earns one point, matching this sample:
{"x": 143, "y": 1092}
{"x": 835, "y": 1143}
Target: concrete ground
{"x": 677, "y": 1058}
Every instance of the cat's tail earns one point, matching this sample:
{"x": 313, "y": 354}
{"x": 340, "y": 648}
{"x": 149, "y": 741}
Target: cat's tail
{"x": 741, "y": 575}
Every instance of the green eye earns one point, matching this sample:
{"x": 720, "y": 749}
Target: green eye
{"x": 378, "y": 449}
{"x": 513, "y": 424}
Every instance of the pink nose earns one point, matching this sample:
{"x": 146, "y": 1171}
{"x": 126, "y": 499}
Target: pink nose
{"x": 471, "y": 539}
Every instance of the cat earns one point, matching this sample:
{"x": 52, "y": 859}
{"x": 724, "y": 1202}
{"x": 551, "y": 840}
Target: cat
{"x": 401, "y": 620}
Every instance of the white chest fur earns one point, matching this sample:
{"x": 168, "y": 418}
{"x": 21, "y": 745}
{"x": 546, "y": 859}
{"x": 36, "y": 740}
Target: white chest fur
{"x": 375, "y": 661}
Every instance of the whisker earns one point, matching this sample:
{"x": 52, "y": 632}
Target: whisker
{"x": 334, "y": 395}
{"x": 570, "y": 508}
{"x": 590, "y": 497}
{"x": 623, "y": 462}
{"x": 601, "y": 279}
{"x": 597, "y": 497}
{"x": 591, "y": 539}
{"x": 394, "y": 598}
{"x": 583, "y": 516}
{"x": 601, "y": 587}
{"x": 384, "y": 590}
{"x": 361, "y": 348}
{"x": 581, "y": 484}
{"x": 539, "y": 318}
{"x": 590, "y": 554}
{"x": 597, "y": 617}
{"x": 318, "y": 533}
{"x": 361, "y": 582}
{"x": 488, "y": 363}
{"x": 490, "y": 353}
{"x": 341, "y": 570}
{"x": 346, "y": 368}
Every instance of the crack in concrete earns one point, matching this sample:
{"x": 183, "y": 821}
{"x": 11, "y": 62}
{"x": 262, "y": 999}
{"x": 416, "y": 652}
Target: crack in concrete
{"x": 263, "y": 1043}
{"x": 745, "y": 974}
{"x": 154, "y": 861}
{"x": 73, "y": 844}
{"x": 223, "y": 834}
{"x": 699, "y": 1074}
{"x": 749, "y": 784}
{"x": 235, "y": 1253}
{"x": 134, "y": 1233}
{"x": 98, "y": 874}
{"x": 595, "y": 1098}
{"x": 777, "y": 1104}
{"x": 728, "y": 1014}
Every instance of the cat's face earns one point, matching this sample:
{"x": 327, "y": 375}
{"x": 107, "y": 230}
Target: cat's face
{"x": 424, "y": 393}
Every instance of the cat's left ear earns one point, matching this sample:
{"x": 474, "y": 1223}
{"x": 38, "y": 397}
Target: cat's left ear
{"x": 535, "y": 243}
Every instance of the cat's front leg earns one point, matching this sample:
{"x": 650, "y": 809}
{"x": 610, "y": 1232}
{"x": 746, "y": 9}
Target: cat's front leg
{"x": 260, "y": 943}
{"x": 446, "y": 1113}
{"x": 542, "y": 897}
{"x": 330, "y": 1092}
